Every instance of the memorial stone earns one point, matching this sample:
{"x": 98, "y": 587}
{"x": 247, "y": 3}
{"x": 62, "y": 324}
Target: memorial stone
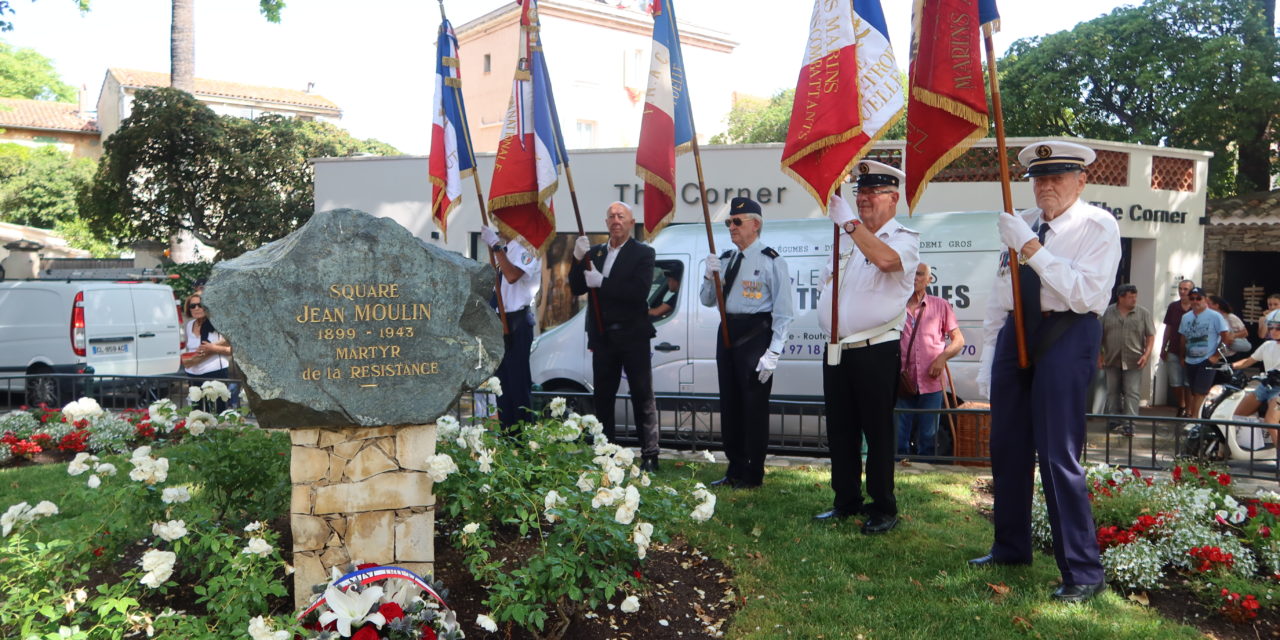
{"x": 356, "y": 336}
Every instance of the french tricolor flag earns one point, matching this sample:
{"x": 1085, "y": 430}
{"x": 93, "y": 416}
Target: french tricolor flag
{"x": 526, "y": 170}
{"x": 450, "y": 158}
{"x": 667, "y": 126}
{"x": 848, "y": 95}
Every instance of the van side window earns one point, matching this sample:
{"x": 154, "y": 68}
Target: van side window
{"x": 664, "y": 292}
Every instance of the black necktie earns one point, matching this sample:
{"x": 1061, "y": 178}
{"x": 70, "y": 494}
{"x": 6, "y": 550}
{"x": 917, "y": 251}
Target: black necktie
{"x": 734, "y": 264}
{"x": 1030, "y": 281}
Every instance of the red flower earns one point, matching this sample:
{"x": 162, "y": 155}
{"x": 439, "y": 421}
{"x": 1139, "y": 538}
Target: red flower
{"x": 428, "y": 633}
{"x": 1193, "y": 469}
{"x": 367, "y": 632}
{"x": 1224, "y": 479}
{"x": 391, "y": 611}
{"x": 1264, "y": 531}
{"x": 98, "y": 551}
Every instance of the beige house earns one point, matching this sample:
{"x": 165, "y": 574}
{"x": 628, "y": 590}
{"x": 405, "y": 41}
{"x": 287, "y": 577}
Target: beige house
{"x": 36, "y": 123}
{"x": 226, "y": 98}
{"x": 598, "y": 56}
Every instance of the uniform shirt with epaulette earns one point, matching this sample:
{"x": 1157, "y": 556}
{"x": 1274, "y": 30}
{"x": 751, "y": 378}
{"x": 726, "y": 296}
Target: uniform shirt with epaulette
{"x": 870, "y": 297}
{"x": 762, "y": 285}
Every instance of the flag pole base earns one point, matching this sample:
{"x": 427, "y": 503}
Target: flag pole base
{"x": 833, "y": 354}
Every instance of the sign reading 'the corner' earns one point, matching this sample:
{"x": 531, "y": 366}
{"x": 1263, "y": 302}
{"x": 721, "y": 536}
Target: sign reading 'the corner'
{"x": 352, "y": 321}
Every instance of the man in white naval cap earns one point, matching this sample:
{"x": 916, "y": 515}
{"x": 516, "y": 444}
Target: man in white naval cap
{"x": 1069, "y": 252}
{"x": 759, "y": 306}
{"x": 878, "y": 259}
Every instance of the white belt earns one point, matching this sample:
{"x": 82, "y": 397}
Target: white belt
{"x": 892, "y": 334}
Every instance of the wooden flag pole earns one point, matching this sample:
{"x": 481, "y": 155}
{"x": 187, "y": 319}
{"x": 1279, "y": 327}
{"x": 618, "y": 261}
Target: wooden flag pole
{"x": 834, "y": 346}
{"x": 1019, "y": 328}
{"x": 480, "y": 202}
{"x": 711, "y": 242}
{"x": 577, "y": 216}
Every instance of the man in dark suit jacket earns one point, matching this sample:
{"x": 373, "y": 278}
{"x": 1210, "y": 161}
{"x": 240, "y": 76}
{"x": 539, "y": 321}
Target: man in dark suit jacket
{"x": 618, "y": 275}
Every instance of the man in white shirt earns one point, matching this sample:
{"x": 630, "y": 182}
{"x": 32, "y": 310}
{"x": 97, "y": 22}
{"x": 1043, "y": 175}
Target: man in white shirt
{"x": 1070, "y": 250}
{"x": 1268, "y": 393}
{"x": 878, "y": 260}
{"x": 520, "y": 278}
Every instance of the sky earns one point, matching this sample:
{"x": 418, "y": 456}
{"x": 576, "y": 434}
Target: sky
{"x": 375, "y": 58}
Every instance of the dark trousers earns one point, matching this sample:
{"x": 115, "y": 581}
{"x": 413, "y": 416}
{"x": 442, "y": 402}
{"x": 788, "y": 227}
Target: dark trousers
{"x": 860, "y": 393}
{"x": 1042, "y": 412}
{"x": 744, "y": 400}
{"x": 608, "y": 362}
{"x": 517, "y": 382}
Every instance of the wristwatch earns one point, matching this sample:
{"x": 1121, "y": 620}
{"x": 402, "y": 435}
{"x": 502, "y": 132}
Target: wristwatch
{"x": 852, "y": 225}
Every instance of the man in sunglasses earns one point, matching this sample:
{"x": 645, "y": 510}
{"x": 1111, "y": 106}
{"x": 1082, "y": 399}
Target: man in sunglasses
{"x": 758, "y": 306}
{"x": 1202, "y": 329}
{"x": 878, "y": 260}
{"x": 1266, "y": 394}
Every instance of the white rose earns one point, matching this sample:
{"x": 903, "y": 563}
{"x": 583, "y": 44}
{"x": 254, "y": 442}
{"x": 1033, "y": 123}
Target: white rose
{"x": 215, "y": 390}
{"x": 257, "y": 546}
{"x": 485, "y": 460}
{"x": 592, "y": 424}
{"x": 616, "y": 475}
{"x": 198, "y": 421}
{"x": 80, "y": 463}
{"x": 558, "y": 406}
{"x": 439, "y": 466}
{"x": 194, "y": 395}
{"x": 471, "y": 527}
{"x": 158, "y": 565}
{"x": 260, "y": 630}
{"x": 13, "y": 516}
{"x": 485, "y": 622}
{"x": 43, "y": 509}
{"x": 160, "y": 413}
{"x": 169, "y": 531}
{"x": 630, "y": 605}
{"x": 625, "y": 456}
{"x": 141, "y": 452}
{"x": 625, "y": 514}
{"x": 172, "y": 495}
{"x": 94, "y": 482}
{"x": 253, "y": 526}
{"x": 106, "y": 469}
{"x": 708, "y": 456}
{"x": 82, "y": 409}
{"x": 586, "y": 482}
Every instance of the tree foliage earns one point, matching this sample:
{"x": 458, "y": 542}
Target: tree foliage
{"x": 1197, "y": 74}
{"x": 38, "y": 185}
{"x": 24, "y": 73}
{"x": 6, "y": 7}
{"x": 234, "y": 184}
{"x": 753, "y": 120}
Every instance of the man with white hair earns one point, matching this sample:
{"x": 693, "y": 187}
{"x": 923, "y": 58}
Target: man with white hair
{"x": 618, "y": 274}
{"x": 1069, "y": 251}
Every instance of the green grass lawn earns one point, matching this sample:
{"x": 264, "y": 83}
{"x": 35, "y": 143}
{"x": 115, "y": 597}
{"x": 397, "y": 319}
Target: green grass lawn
{"x": 806, "y": 579}
{"x": 801, "y": 578}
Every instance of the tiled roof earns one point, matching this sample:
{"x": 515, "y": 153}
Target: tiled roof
{"x": 135, "y": 78}
{"x": 41, "y": 114}
{"x": 1251, "y": 208}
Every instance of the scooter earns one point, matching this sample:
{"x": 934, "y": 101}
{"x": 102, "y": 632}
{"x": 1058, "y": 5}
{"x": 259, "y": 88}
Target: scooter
{"x": 1215, "y": 441}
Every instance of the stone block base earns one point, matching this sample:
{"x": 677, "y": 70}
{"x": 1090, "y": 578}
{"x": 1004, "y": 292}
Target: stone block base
{"x": 360, "y": 495}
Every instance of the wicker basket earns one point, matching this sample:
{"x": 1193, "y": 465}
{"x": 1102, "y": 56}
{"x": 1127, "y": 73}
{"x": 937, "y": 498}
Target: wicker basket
{"x": 971, "y": 434}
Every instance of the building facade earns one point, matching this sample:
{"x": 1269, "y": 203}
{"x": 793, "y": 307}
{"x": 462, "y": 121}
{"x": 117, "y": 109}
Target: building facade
{"x": 598, "y": 56}
{"x": 115, "y": 100}
{"x": 37, "y": 123}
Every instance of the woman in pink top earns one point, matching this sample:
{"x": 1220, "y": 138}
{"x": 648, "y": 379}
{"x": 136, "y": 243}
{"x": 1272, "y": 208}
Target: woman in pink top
{"x": 925, "y": 350}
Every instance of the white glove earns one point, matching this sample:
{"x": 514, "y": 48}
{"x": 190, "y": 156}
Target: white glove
{"x": 839, "y": 211}
{"x": 713, "y": 266}
{"x": 489, "y": 235}
{"x": 1014, "y": 231}
{"x": 580, "y": 247}
{"x": 594, "y": 278}
{"x": 768, "y": 362}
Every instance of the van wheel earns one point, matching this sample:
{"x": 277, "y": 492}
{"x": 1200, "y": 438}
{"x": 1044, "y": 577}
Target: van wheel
{"x": 44, "y": 389}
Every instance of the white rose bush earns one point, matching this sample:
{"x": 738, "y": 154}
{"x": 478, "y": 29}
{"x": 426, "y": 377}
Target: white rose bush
{"x": 178, "y": 495}
{"x": 593, "y": 515}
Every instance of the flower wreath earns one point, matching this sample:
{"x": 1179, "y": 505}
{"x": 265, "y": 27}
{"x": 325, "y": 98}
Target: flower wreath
{"x": 354, "y": 607}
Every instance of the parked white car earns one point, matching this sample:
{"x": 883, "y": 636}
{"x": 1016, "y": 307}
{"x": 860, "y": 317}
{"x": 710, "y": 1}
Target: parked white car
{"x": 961, "y": 248}
{"x": 86, "y": 326}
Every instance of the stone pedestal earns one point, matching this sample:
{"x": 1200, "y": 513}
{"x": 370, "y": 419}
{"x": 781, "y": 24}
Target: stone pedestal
{"x": 360, "y": 495}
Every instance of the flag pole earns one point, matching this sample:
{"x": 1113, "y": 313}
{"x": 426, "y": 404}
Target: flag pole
{"x": 475, "y": 176}
{"x": 1019, "y": 329}
{"x": 593, "y": 296}
{"x": 711, "y": 241}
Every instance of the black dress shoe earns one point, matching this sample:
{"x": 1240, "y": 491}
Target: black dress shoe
{"x": 649, "y": 463}
{"x": 989, "y": 560}
{"x": 879, "y": 524}
{"x": 725, "y": 480}
{"x": 744, "y": 484}
{"x": 835, "y": 514}
{"x": 1078, "y": 592}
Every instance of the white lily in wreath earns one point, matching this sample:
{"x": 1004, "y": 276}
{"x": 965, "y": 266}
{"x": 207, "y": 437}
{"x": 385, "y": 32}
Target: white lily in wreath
{"x": 352, "y": 607}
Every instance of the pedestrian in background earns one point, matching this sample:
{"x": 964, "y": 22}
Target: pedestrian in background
{"x": 930, "y": 337}
{"x": 1128, "y": 336}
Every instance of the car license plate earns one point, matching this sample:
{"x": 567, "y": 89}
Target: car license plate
{"x": 102, "y": 350}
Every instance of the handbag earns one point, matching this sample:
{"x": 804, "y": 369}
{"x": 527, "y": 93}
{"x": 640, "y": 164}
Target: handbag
{"x": 906, "y": 382}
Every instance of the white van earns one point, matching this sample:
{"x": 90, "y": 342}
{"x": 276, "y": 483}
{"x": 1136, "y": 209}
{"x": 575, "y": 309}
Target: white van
{"x": 85, "y": 326}
{"x": 962, "y": 250}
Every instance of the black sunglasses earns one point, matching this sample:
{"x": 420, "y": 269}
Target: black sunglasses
{"x": 733, "y": 222}
{"x": 1194, "y": 298}
{"x": 195, "y": 305}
